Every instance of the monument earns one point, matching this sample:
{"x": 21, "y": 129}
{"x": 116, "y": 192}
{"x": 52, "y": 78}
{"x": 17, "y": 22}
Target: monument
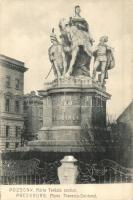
{"x": 74, "y": 103}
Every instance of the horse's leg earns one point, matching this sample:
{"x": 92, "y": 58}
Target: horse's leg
{"x": 64, "y": 64}
{"x": 74, "y": 55}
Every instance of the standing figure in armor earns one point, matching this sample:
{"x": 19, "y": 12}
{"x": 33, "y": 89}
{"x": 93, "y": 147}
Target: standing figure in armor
{"x": 104, "y": 59}
{"x": 57, "y": 56}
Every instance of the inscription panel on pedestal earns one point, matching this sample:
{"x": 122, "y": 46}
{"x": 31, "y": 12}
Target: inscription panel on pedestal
{"x": 66, "y": 109}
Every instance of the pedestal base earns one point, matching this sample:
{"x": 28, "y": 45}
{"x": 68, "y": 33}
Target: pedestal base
{"x": 71, "y": 109}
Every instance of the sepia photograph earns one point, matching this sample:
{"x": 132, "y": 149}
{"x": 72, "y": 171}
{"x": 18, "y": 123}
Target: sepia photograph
{"x": 66, "y": 97}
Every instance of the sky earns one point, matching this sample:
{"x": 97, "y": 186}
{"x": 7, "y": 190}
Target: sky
{"x": 25, "y": 28}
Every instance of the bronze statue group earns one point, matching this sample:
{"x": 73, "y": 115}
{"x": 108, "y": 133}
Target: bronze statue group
{"x": 72, "y": 55}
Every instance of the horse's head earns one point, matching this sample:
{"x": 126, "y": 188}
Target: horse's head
{"x": 63, "y": 24}
{"x": 65, "y": 31}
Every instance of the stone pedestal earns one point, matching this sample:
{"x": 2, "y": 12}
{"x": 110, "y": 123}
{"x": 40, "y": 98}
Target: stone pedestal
{"x": 68, "y": 171}
{"x": 72, "y": 108}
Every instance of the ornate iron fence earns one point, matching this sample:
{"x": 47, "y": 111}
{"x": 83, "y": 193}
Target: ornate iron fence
{"x": 28, "y": 172}
{"x": 106, "y": 171}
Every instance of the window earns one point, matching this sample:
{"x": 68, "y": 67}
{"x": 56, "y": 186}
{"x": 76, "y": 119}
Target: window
{"x": 25, "y": 106}
{"x": 16, "y": 144}
{"x": 41, "y": 112}
{"x": 8, "y": 81}
{"x": 7, "y": 145}
{"x": 17, "y": 106}
{"x": 41, "y": 124}
{"x": 17, "y": 84}
{"x": 7, "y": 131}
{"x": 18, "y": 131}
{"x": 7, "y": 105}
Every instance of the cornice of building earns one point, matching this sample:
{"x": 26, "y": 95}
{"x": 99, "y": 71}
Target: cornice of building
{"x": 12, "y": 63}
{"x": 11, "y": 94}
{"x": 12, "y": 117}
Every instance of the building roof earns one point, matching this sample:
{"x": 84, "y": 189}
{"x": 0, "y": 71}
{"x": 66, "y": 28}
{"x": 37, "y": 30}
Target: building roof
{"x": 12, "y": 63}
{"x": 128, "y": 110}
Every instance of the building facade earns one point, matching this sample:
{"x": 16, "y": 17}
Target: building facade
{"x": 125, "y": 128}
{"x": 33, "y": 115}
{"x": 125, "y": 123}
{"x": 11, "y": 102}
